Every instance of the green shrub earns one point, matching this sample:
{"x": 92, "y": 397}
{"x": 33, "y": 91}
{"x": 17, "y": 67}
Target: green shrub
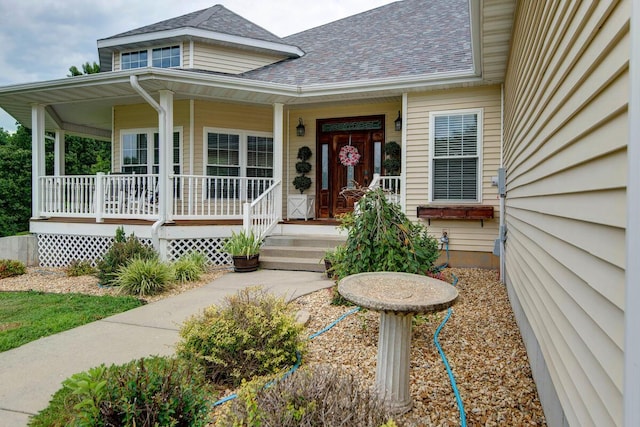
{"x": 189, "y": 267}
{"x": 144, "y": 277}
{"x": 79, "y": 268}
{"x": 123, "y": 250}
{"x": 186, "y": 271}
{"x": 156, "y": 391}
{"x": 251, "y": 333}
{"x": 382, "y": 238}
{"x": 9, "y": 268}
{"x": 314, "y": 396}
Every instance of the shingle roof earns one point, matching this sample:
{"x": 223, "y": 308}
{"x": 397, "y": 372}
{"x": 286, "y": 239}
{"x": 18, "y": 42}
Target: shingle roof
{"x": 216, "y": 18}
{"x": 402, "y": 39}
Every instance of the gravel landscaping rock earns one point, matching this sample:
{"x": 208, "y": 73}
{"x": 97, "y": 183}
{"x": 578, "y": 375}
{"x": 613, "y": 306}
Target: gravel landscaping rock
{"x": 481, "y": 341}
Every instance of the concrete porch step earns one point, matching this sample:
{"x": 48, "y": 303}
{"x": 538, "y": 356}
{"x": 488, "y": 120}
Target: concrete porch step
{"x": 297, "y": 252}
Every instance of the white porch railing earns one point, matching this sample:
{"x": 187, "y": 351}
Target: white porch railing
{"x": 68, "y": 196}
{"x": 261, "y": 215}
{"x": 128, "y": 196}
{"x": 391, "y": 185}
{"x": 198, "y": 197}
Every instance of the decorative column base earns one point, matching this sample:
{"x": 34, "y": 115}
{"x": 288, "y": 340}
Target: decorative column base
{"x": 392, "y": 366}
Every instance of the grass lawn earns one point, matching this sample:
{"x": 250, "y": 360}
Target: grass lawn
{"x": 27, "y": 316}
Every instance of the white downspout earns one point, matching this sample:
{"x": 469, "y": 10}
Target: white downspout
{"x": 162, "y": 182}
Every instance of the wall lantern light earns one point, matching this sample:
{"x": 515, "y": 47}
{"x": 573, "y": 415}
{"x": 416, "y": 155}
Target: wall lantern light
{"x": 300, "y": 128}
{"x": 398, "y": 122}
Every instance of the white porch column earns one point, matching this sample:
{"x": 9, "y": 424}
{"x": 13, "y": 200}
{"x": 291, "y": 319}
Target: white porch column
{"x": 37, "y": 156}
{"x": 58, "y": 153}
{"x": 278, "y": 151}
{"x": 403, "y": 152}
{"x": 165, "y": 129}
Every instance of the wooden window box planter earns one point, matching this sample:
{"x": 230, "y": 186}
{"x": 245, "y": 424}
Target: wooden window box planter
{"x": 455, "y": 212}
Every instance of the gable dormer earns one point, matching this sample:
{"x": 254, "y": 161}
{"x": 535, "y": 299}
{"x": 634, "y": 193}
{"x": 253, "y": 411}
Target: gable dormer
{"x": 213, "y": 39}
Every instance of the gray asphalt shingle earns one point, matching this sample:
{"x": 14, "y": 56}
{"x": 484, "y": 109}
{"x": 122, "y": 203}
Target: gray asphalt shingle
{"x": 402, "y": 39}
{"x": 216, "y": 18}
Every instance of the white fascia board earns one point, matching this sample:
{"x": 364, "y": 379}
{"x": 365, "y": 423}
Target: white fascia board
{"x": 393, "y": 83}
{"x": 289, "y": 50}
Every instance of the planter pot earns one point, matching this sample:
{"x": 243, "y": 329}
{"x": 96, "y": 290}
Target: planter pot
{"x": 301, "y": 206}
{"x": 242, "y": 264}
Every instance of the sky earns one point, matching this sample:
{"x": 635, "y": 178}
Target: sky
{"x": 41, "y": 39}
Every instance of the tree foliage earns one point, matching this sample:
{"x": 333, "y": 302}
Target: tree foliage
{"x": 15, "y": 184}
{"x": 87, "y": 68}
{"x": 83, "y": 156}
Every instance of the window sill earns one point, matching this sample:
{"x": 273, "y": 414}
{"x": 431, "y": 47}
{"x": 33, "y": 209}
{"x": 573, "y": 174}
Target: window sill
{"x": 455, "y": 212}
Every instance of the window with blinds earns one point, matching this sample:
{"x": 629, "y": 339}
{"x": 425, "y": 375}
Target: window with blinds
{"x": 455, "y": 153}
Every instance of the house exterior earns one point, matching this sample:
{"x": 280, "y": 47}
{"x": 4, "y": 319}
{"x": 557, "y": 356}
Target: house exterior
{"x": 514, "y": 123}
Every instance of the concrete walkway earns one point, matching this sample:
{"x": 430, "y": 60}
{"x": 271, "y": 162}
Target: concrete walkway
{"x": 30, "y": 374}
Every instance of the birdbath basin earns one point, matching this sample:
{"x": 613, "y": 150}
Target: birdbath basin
{"x": 397, "y": 296}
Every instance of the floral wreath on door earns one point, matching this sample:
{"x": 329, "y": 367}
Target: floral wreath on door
{"x": 349, "y": 155}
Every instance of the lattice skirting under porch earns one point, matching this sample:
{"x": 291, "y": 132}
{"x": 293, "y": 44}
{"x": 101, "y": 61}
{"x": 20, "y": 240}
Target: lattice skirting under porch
{"x": 59, "y": 250}
{"x": 211, "y": 247}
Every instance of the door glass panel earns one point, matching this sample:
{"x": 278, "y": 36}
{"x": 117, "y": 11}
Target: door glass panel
{"x": 325, "y": 166}
{"x": 377, "y": 157}
{"x": 350, "y": 177}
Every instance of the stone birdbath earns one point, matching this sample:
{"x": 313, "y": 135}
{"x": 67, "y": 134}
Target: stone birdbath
{"x": 397, "y": 296}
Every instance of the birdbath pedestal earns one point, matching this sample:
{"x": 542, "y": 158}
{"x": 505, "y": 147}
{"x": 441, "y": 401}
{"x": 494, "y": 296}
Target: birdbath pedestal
{"x": 397, "y": 296}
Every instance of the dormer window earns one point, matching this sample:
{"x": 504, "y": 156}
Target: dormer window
{"x": 134, "y": 59}
{"x": 162, "y": 57}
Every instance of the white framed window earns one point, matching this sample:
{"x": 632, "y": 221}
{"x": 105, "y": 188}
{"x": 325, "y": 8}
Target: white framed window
{"x": 455, "y": 148}
{"x": 238, "y": 153}
{"x": 140, "y": 151}
{"x": 161, "y": 57}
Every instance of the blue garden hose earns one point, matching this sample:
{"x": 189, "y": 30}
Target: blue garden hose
{"x": 452, "y": 380}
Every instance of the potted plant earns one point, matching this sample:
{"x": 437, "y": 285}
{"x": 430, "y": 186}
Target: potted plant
{"x": 244, "y": 248}
{"x": 301, "y": 205}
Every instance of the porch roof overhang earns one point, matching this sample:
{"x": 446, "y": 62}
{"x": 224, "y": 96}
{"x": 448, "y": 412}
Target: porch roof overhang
{"x": 83, "y": 105}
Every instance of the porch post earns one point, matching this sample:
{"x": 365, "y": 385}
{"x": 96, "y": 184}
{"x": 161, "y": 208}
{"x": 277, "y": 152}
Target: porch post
{"x": 58, "y": 153}
{"x": 278, "y": 144}
{"x": 403, "y": 153}
{"x": 165, "y": 129}
{"x": 37, "y": 156}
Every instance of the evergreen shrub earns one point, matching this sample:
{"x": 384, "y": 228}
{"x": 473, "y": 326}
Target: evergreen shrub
{"x": 252, "y": 333}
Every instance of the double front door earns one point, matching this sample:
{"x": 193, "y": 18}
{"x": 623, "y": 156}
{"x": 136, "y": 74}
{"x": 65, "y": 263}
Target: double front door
{"x": 355, "y": 167}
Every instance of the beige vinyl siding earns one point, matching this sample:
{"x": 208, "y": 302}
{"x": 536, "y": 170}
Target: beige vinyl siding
{"x": 226, "y": 60}
{"x": 309, "y": 116}
{"x": 566, "y": 131}
{"x": 143, "y": 116}
{"x": 464, "y": 235}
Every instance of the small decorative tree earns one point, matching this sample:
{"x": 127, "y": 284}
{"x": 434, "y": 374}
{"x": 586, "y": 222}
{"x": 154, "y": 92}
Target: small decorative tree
{"x": 303, "y": 182}
{"x": 392, "y": 162}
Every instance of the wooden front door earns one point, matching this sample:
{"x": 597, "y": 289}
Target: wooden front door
{"x": 333, "y": 176}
